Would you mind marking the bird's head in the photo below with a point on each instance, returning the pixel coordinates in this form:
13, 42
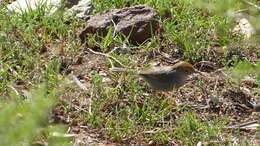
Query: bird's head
184, 67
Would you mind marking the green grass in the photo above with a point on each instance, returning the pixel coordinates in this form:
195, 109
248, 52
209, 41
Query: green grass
32, 51
126, 111
24, 65
190, 129
24, 121
27, 39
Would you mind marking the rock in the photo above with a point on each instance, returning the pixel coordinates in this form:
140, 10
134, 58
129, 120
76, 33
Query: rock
138, 23
70, 3
243, 26
82, 9
21, 6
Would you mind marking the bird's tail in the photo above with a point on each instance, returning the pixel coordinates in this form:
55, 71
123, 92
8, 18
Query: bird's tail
119, 69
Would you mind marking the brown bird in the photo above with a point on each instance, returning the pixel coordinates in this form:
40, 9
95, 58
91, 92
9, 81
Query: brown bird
165, 78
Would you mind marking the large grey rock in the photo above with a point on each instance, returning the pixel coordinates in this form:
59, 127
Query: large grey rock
138, 23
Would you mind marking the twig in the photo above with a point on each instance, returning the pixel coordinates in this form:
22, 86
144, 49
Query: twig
84, 127
252, 4
221, 71
197, 107
106, 55
114, 31
242, 125
216, 84
240, 11
81, 86
57, 134
144, 132
113, 50
111, 63
15, 91
90, 101
76, 80
201, 63
166, 58
15, 72
118, 69
68, 130
79, 108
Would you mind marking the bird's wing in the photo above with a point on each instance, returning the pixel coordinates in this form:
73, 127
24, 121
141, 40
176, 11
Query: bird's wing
157, 70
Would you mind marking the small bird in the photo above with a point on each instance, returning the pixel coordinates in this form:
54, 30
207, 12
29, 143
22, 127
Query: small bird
166, 78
